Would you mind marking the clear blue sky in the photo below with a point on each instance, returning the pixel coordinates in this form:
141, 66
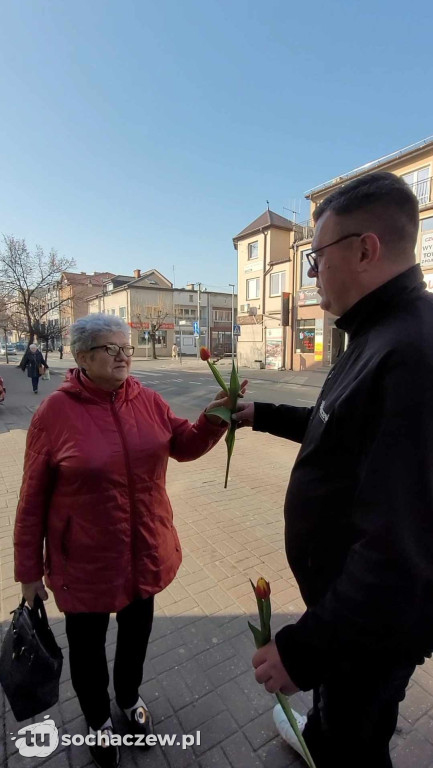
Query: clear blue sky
141, 134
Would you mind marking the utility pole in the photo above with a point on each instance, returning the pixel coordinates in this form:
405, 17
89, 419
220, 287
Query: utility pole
232, 286
198, 318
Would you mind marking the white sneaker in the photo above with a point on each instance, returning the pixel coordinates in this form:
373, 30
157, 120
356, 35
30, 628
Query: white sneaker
285, 729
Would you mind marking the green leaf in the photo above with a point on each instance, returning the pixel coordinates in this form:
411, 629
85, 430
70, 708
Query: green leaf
293, 722
230, 442
235, 386
257, 635
267, 612
218, 377
222, 412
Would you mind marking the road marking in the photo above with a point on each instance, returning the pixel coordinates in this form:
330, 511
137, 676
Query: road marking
145, 373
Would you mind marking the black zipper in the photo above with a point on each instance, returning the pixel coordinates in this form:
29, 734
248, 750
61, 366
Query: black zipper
130, 481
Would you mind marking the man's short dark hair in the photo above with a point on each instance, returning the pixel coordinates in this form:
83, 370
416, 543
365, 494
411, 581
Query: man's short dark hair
383, 200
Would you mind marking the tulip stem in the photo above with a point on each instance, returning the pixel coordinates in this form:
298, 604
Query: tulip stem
285, 706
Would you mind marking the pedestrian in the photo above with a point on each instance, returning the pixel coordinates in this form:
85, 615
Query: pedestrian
94, 493
359, 506
61, 351
33, 361
174, 351
2, 390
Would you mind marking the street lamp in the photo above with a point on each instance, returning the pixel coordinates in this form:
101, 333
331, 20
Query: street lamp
232, 286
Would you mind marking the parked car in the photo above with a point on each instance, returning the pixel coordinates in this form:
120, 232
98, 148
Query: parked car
10, 348
21, 346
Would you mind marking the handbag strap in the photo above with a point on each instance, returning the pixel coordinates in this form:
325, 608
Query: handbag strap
39, 609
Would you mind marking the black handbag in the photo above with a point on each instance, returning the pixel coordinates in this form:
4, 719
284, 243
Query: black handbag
30, 662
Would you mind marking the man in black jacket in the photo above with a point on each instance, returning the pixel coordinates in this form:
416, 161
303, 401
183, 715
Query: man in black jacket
359, 506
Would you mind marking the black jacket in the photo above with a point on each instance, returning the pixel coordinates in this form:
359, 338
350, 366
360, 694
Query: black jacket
359, 506
32, 362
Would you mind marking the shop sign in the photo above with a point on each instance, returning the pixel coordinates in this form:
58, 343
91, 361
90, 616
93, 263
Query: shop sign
427, 249
145, 326
307, 296
318, 343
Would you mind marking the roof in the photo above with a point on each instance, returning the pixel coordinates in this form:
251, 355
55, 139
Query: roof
78, 278
373, 164
266, 220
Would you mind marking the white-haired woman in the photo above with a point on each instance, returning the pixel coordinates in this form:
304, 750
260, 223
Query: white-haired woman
34, 362
94, 491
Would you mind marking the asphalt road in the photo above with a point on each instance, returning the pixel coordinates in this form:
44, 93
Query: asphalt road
188, 392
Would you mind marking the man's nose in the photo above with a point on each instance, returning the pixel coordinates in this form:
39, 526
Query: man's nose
312, 272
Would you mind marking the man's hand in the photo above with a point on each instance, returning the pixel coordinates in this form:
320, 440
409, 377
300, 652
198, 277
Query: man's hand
32, 589
270, 671
222, 400
244, 415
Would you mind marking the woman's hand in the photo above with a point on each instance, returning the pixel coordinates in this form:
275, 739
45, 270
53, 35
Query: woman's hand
222, 399
32, 589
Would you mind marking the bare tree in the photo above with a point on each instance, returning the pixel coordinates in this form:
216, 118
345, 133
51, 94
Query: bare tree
25, 277
156, 317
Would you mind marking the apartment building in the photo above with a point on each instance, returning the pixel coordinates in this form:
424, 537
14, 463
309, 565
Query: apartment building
272, 260
149, 299
265, 272
317, 341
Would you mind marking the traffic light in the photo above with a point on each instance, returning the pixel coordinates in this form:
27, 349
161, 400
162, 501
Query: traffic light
285, 308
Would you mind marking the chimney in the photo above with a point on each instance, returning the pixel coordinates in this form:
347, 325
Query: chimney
137, 273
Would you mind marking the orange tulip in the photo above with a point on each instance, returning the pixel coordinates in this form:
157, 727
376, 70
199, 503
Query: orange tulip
204, 353
263, 589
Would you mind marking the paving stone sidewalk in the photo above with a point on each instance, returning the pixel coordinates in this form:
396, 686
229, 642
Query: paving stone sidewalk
198, 674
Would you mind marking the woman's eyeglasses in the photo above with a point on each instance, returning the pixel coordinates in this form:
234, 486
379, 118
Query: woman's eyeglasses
114, 349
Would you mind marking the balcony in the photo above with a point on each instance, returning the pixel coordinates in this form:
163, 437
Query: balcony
423, 190
304, 230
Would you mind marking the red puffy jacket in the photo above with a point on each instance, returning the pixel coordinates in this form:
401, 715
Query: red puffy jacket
94, 489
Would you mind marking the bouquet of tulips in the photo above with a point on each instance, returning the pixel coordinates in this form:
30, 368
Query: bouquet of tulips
233, 390
262, 636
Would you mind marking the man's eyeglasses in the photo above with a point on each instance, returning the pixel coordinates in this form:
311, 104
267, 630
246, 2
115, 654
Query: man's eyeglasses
114, 349
312, 256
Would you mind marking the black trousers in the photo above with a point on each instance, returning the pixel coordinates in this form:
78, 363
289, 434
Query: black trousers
86, 633
35, 382
354, 716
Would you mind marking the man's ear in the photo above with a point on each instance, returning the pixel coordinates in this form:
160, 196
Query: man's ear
369, 254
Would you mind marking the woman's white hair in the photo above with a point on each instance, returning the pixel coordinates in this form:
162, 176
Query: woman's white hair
33, 346
84, 333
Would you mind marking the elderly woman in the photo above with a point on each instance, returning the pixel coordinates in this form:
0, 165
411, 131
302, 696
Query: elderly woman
34, 362
94, 492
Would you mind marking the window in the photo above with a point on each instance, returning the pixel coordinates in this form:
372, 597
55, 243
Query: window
253, 288
122, 313
427, 224
160, 339
420, 182
191, 297
277, 283
305, 336
113, 311
305, 280
253, 250
222, 315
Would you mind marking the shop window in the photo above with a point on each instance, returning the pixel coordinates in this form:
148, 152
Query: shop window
305, 336
160, 340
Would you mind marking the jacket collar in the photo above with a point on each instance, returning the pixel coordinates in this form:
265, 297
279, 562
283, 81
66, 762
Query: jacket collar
381, 302
76, 383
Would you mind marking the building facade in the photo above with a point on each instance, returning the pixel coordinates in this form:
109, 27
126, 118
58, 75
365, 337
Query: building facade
265, 272
272, 260
149, 300
317, 341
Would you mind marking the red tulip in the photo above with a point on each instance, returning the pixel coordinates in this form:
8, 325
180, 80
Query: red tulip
204, 353
262, 589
